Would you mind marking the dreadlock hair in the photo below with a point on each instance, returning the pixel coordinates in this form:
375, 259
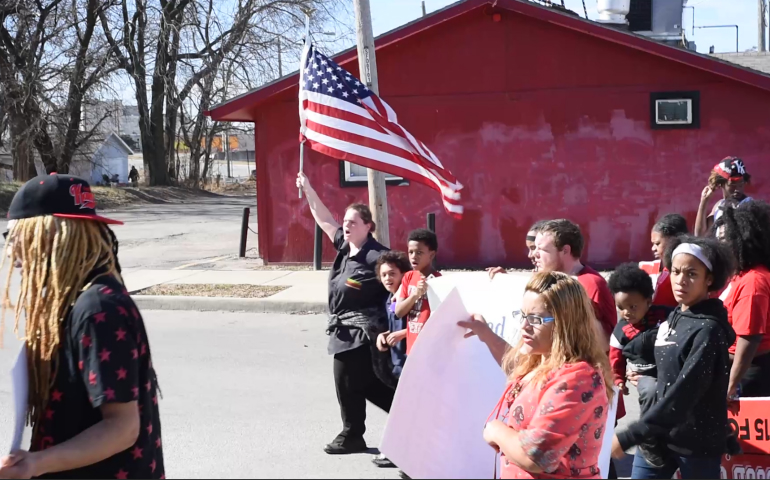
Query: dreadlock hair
58, 257
747, 234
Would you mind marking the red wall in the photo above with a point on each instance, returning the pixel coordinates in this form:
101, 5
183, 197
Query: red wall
537, 121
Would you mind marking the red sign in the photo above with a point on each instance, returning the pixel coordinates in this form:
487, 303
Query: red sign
746, 467
752, 424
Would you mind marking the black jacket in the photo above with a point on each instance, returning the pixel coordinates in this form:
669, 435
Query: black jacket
690, 411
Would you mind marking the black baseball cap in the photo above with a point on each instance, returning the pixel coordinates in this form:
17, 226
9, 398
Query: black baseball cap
63, 196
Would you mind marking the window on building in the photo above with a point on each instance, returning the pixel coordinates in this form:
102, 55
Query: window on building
669, 110
352, 175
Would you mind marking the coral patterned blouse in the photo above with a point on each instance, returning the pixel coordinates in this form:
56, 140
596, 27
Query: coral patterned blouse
560, 423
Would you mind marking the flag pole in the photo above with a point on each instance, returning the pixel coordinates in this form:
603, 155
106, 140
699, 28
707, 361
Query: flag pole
305, 52
367, 65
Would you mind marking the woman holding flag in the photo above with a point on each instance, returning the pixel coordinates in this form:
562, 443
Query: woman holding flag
356, 316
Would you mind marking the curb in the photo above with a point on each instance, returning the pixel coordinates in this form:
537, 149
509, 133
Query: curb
218, 304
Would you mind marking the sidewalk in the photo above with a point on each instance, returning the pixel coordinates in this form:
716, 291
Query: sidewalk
307, 292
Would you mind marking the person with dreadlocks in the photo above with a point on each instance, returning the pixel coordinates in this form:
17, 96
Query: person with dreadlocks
93, 401
746, 231
731, 177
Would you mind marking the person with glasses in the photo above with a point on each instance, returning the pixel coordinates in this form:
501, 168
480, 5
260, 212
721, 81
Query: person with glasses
560, 385
731, 177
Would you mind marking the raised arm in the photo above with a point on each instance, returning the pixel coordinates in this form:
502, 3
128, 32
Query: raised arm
701, 220
321, 214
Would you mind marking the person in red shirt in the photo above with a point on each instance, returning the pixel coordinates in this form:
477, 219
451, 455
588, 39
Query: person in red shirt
558, 248
666, 229
746, 231
560, 385
413, 300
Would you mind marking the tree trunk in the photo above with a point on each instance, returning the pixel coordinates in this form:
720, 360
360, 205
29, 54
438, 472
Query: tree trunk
21, 152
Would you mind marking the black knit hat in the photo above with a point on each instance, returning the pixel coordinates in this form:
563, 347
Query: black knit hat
64, 196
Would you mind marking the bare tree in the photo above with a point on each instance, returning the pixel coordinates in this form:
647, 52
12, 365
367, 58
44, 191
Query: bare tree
51, 59
189, 41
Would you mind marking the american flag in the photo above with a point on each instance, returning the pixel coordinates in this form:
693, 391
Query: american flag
340, 117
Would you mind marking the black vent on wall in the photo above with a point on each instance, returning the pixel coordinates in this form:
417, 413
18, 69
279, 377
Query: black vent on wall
640, 16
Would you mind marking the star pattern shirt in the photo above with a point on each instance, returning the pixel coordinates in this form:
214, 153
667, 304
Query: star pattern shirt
104, 358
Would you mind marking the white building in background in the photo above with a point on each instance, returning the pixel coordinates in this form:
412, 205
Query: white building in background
122, 120
109, 157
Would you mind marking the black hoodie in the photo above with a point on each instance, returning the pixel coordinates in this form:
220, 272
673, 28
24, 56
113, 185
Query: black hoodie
690, 411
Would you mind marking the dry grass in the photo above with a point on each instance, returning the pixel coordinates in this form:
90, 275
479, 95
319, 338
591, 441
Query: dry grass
212, 290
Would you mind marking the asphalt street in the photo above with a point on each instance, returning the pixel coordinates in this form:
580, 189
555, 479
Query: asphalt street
199, 234
244, 396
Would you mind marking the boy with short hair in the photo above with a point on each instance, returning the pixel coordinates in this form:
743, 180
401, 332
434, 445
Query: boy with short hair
632, 342
413, 300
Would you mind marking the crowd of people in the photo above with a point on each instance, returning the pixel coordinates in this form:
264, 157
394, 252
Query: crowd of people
689, 331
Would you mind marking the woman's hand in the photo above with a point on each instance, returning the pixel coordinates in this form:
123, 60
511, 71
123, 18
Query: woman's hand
382, 341
633, 379
617, 450
19, 464
302, 182
706, 194
623, 388
478, 327
491, 431
394, 338
492, 271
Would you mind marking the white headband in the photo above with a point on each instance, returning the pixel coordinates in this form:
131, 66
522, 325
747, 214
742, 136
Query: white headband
694, 250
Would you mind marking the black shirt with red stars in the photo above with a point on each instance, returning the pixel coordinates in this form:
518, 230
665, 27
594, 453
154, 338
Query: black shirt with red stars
104, 358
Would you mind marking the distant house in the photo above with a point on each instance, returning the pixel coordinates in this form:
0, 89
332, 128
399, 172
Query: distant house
111, 158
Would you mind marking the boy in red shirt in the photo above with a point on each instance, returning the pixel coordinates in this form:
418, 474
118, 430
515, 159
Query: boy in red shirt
413, 300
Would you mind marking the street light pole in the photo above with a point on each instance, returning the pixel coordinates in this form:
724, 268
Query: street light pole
725, 26
367, 66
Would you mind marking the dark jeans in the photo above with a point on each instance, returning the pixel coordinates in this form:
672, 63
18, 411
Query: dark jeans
646, 386
356, 383
688, 467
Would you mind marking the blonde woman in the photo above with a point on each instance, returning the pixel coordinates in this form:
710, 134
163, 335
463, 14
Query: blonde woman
559, 390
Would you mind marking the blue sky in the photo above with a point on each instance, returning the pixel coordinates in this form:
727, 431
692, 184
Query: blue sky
389, 14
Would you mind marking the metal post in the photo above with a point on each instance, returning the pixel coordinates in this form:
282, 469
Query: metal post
726, 26
762, 26
432, 222
244, 232
367, 65
423, 8
318, 247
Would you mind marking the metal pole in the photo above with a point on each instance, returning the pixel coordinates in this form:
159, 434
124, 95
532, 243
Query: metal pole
367, 64
726, 26
423, 8
280, 61
693, 19
301, 161
318, 247
431, 222
244, 232
762, 26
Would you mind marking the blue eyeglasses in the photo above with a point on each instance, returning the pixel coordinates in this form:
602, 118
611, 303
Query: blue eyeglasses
533, 320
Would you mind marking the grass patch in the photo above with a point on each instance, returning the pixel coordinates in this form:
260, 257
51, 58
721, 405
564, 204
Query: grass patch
213, 290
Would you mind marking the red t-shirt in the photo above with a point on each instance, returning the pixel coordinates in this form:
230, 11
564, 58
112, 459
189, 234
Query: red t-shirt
664, 291
747, 300
420, 311
601, 297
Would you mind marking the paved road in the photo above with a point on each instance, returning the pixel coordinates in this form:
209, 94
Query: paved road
169, 236
244, 395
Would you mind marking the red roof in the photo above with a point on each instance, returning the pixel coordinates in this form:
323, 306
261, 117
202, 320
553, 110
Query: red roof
238, 109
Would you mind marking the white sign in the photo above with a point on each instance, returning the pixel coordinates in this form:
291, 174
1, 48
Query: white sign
450, 384
20, 388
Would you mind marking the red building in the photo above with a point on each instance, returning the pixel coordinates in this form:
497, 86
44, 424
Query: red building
540, 114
